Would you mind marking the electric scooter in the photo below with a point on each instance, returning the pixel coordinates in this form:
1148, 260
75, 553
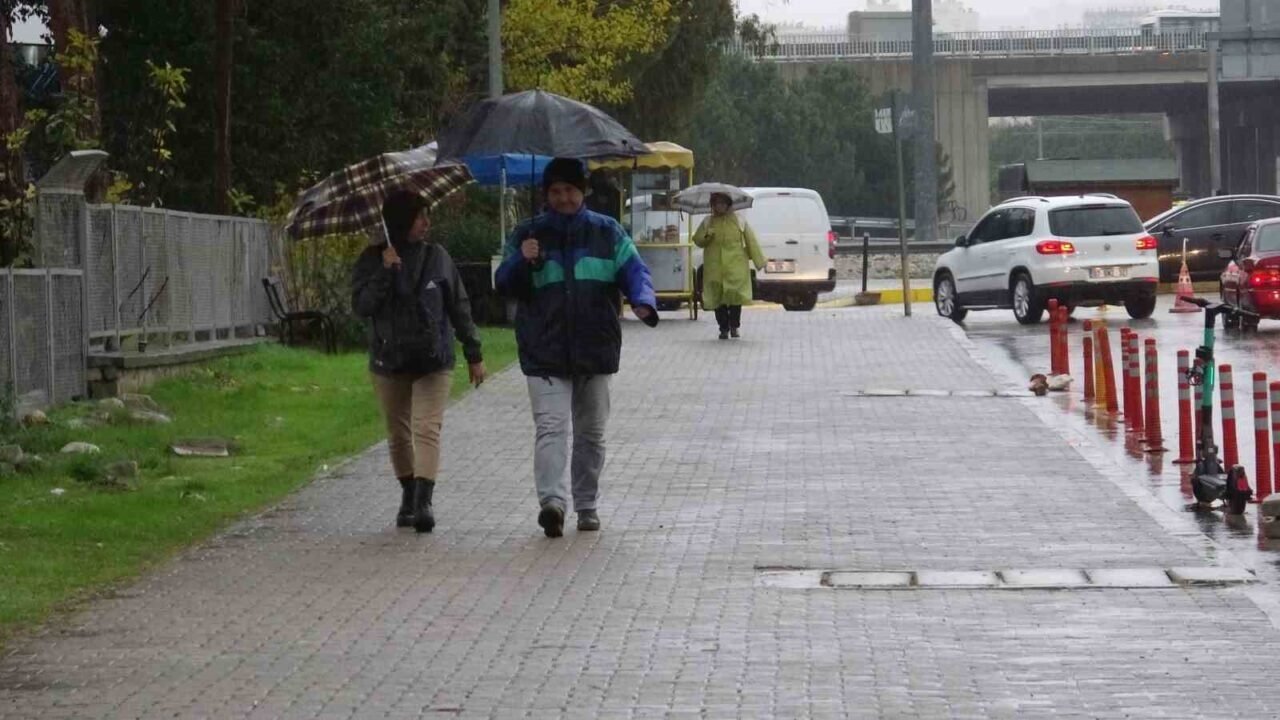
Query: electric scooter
1211, 482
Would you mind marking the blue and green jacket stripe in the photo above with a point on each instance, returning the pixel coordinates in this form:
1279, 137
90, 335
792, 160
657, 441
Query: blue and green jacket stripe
567, 317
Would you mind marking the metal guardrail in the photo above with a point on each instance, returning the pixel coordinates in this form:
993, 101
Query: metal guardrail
794, 47
884, 235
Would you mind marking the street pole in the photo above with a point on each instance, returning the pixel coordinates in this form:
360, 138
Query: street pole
1215, 123
923, 86
902, 206
495, 48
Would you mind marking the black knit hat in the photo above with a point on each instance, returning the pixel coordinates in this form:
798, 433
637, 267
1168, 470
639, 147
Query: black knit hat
565, 170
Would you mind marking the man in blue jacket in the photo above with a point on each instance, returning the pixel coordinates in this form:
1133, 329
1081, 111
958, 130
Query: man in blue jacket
565, 267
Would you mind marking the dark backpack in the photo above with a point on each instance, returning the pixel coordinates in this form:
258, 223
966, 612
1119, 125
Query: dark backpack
406, 332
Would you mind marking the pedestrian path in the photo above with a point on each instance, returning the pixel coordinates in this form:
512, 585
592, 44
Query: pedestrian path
728, 461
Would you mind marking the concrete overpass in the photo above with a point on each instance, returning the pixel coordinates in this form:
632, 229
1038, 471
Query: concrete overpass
987, 75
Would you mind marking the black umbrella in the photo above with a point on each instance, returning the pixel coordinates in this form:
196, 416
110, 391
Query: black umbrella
537, 122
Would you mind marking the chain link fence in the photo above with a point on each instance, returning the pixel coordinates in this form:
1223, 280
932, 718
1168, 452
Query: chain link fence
42, 344
117, 279
173, 276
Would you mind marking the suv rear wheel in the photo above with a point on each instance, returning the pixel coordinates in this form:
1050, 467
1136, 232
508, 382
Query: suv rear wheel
946, 300
801, 303
1027, 307
1140, 307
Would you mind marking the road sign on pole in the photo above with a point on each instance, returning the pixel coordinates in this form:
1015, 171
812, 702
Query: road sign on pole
884, 121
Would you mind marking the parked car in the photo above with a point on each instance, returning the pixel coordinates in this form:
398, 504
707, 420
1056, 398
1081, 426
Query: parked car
795, 235
1252, 278
1082, 250
1209, 226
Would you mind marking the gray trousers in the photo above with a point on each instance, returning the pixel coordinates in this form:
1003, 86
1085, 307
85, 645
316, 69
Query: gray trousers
556, 402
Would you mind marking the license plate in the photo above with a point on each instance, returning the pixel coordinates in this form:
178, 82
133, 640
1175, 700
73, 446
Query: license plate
1108, 273
780, 266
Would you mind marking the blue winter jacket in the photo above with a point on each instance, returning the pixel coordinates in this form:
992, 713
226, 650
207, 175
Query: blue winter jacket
567, 317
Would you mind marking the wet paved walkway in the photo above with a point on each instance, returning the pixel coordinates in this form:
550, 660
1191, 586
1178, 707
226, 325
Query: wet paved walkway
726, 459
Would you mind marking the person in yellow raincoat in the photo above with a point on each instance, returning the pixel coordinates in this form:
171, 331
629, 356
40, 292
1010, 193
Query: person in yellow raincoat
728, 243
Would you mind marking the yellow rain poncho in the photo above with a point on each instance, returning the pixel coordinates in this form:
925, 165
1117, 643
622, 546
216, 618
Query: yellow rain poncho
728, 243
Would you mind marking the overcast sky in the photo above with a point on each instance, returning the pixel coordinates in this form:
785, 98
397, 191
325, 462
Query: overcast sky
994, 14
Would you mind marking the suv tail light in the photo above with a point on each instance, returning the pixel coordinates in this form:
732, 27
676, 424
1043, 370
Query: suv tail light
1055, 247
1265, 277
831, 244
1148, 242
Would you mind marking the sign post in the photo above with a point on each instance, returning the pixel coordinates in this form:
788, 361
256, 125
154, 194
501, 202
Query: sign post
897, 120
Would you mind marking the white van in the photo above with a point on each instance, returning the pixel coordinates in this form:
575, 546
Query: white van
796, 237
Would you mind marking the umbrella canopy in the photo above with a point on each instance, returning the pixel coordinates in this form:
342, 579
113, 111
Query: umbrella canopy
350, 200
537, 122
487, 169
696, 200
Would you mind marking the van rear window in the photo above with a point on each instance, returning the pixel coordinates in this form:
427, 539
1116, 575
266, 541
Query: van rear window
1094, 221
787, 214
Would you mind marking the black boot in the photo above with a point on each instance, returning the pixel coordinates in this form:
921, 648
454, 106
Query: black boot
404, 518
423, 519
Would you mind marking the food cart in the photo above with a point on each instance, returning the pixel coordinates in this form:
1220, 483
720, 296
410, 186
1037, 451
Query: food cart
663, 235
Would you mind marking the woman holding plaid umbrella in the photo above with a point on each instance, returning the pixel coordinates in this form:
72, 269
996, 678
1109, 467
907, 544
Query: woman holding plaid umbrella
413, 296
410, 292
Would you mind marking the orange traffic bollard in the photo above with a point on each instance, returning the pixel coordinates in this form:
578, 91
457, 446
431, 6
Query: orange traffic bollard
1086, 342
1230, 451
1262, 450
1155, 435
1275, 425
1064, 341
1053, 336
1133, 376
1186, 436
1106, 389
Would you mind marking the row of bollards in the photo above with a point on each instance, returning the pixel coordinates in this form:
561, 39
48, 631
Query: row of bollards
1138, 401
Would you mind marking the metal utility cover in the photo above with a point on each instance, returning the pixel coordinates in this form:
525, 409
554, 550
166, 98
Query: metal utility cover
956, 579
1130, 578
869, 579
1050, 578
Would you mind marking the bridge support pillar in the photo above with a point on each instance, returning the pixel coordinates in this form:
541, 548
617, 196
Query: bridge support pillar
1188, 133
1250, 138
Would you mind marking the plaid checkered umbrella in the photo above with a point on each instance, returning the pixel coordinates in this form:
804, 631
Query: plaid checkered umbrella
350, 200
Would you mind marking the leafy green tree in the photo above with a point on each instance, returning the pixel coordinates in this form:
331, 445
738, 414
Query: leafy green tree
581, 48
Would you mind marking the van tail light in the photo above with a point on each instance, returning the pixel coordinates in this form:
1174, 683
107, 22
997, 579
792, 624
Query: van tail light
1265, 277
831, 244
1148, 242
1055, 247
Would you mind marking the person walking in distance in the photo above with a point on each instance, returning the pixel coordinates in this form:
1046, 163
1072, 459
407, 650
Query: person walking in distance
565, 268
728, 244
410, 292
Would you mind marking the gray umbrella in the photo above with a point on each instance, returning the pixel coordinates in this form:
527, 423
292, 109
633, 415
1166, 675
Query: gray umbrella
696, 200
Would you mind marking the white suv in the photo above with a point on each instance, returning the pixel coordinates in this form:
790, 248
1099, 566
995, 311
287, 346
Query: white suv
1083, 250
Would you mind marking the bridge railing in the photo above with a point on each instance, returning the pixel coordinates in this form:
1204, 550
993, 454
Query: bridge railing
792, 47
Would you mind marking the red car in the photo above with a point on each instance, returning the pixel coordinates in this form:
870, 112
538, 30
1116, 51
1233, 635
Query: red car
1252, 278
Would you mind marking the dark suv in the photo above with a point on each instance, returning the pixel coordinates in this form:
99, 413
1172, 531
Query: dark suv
1208, 225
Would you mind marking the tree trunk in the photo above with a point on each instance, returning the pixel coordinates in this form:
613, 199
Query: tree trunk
224, 27
13, 181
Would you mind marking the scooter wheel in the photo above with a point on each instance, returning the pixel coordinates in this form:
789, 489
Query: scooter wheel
1237, 504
